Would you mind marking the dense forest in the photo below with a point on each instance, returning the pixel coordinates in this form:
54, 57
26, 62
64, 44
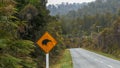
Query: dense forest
61, 9
99, 6
22, 23
95, 26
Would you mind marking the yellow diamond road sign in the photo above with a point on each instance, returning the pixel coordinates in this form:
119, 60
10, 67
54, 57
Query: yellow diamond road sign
46, 42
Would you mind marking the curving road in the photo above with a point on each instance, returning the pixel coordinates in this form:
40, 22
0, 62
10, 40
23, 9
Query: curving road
85, 59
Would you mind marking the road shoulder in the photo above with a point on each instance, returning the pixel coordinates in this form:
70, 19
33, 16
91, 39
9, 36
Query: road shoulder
65, 61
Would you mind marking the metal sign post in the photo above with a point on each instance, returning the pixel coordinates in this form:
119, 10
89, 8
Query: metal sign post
47, 60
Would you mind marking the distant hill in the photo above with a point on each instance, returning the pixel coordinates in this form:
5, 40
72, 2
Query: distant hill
64, 8
98, 7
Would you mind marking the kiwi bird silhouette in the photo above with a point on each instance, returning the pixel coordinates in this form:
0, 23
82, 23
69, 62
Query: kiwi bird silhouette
45, 41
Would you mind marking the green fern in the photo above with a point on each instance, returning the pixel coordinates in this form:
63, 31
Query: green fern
8, 61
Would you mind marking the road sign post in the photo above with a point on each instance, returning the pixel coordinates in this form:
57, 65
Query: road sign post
46, 43
47, 60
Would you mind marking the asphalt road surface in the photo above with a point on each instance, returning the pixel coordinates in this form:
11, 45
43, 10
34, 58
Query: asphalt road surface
85, 59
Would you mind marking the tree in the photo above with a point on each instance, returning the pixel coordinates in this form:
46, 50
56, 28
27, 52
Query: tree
14, 53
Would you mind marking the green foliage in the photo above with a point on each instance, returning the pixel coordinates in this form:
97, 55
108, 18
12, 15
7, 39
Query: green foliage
3, 43
22, 47
28, 12
15, 54
34, 2
107, 40
35, 20
21, 22
28, 63
13, 51
8, 61
7, 7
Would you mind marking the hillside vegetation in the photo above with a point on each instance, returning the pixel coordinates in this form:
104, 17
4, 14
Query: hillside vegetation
95, 26
22, 23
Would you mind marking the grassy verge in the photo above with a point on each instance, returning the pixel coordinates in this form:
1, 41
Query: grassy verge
104, 54
64, 62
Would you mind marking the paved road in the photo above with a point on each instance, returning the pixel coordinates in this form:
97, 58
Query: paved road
86, 59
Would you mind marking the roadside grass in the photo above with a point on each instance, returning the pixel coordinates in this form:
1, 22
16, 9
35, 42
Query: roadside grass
64, 62
104, 54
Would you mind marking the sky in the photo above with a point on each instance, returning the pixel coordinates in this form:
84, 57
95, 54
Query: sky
69, 1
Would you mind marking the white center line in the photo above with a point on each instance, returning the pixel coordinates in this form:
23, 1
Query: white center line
110, 66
